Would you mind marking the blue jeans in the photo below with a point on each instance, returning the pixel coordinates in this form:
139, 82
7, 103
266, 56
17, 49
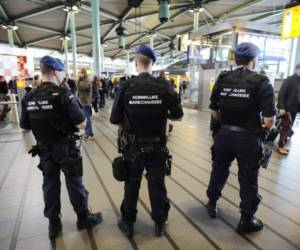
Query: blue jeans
87, 110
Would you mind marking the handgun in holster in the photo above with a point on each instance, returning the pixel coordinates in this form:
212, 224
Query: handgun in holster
268, 136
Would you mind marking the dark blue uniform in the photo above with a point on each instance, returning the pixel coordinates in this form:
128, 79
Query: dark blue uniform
60, 106
242, 97
141, 107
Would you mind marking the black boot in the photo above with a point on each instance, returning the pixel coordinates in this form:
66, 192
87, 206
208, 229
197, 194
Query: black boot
160, 229
212, 209
249, 224
126, 228
88, 220
55, 227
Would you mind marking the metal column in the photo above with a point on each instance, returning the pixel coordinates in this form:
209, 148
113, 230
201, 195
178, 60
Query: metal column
128, 61
196, 20
96, 37
74, 45
294, 55
10, 36
66, 56
234, 39
151, 41
102, 59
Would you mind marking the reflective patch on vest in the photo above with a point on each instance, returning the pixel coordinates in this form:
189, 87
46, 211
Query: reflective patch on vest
44, 104
145, 100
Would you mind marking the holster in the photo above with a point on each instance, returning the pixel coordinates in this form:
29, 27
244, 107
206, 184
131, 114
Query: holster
120, 169
72, 167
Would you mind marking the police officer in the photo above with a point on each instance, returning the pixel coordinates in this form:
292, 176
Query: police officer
141, 109
238, 101
53, 115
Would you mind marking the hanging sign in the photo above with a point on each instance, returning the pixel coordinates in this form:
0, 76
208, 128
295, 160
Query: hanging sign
291, 23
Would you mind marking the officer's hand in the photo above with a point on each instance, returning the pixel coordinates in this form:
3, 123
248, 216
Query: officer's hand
282, 112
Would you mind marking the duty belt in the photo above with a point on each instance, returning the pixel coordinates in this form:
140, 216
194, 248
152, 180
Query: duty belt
148, 140
235, 128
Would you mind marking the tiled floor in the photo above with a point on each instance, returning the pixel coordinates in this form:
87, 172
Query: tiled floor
22, 225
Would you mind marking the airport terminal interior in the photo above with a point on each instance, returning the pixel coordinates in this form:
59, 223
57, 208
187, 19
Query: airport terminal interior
194, 41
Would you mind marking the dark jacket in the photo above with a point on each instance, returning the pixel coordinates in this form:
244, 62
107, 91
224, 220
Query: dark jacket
3, 88
288, 98
84, 92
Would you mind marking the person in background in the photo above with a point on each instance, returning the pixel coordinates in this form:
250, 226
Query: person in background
289, 106
3, 86
65, 84
71, 83
84, 95
102, 93
36, 81
12, 85
95, 93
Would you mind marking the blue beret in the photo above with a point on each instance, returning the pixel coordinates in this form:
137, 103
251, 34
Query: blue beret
249, 50
54, 63
298, 66
146, 51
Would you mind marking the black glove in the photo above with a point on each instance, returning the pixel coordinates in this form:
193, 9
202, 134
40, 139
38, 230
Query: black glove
34, 151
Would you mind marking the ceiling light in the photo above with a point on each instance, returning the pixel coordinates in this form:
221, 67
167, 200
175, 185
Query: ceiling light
9, 26
65, 38
75, 8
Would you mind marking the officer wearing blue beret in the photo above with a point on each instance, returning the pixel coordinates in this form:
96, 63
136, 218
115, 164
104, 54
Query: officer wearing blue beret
141, 108
239, 99
53, 115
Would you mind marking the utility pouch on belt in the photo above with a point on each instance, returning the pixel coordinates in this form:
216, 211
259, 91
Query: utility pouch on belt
120, 169
72, 166
169, 164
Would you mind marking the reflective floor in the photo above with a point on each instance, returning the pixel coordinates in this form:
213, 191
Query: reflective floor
22, 225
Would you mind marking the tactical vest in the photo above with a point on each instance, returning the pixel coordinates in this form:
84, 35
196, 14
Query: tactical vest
145, 107
48, 117
238, 101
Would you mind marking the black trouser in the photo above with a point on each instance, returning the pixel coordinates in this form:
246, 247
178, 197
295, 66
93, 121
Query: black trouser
155, 165
50, 165
102, 99
246, 148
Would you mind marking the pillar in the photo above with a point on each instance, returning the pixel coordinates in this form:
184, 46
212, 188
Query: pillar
128, 61
66, 56
294, 55
74, 44
234, 39
102, 59
196, 20
96, 37
151, 41
10, 36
